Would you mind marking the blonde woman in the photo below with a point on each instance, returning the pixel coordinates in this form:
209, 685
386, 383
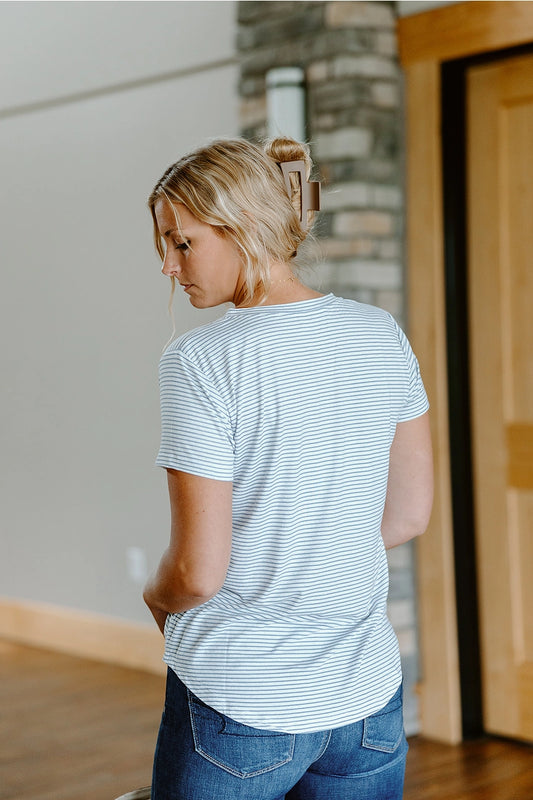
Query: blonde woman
296, 442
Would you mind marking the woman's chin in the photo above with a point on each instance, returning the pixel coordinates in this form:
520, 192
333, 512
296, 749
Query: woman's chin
200, 302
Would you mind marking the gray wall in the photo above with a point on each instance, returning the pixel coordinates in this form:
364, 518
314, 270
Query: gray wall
405, 8
96, 99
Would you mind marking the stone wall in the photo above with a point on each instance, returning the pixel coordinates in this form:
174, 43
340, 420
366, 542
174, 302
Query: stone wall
354, 126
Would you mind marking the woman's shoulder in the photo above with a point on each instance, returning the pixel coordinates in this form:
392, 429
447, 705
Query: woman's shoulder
365, 312
198, 340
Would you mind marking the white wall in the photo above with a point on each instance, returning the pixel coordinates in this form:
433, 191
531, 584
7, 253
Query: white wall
83, 306
53, 49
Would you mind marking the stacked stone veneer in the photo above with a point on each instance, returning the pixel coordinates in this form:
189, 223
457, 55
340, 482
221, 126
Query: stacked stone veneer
354, 126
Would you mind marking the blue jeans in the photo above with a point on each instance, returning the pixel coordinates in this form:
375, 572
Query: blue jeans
204, 755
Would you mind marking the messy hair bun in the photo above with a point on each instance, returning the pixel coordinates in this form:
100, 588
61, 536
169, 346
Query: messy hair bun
239, 189
283, 149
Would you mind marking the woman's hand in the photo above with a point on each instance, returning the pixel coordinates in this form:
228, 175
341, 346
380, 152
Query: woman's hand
194, 565
158, 614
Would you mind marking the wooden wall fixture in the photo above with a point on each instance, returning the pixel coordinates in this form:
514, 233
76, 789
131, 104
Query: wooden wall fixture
426, 40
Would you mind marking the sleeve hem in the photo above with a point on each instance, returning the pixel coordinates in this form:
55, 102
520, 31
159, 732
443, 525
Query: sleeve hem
407, 417
201, 473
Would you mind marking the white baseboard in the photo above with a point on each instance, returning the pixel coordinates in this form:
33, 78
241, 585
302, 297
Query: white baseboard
84, 634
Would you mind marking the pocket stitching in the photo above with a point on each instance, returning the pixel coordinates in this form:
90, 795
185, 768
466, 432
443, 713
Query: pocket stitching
237, 773
373, 743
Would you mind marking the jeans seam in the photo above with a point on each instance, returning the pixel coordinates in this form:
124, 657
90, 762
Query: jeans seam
234, 772
325, 746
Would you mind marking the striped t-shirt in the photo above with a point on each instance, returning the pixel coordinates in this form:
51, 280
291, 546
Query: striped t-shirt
297, 405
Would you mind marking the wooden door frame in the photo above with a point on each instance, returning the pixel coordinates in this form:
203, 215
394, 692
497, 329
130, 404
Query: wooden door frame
427, 42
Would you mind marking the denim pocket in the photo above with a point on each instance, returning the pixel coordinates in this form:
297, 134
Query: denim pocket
384, 730
239, 749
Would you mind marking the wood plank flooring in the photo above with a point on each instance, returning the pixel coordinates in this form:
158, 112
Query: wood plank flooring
72, 729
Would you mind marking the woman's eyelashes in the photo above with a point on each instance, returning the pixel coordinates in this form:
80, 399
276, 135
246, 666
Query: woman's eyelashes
183, 246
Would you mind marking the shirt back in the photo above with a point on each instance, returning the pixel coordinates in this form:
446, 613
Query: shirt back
297, 405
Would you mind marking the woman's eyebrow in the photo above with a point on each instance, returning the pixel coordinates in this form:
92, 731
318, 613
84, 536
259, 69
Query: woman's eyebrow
181, 234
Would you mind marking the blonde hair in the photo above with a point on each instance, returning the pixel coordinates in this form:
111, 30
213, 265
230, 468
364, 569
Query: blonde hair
238, 188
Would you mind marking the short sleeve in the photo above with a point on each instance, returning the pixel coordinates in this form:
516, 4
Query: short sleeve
196, 433
416, 401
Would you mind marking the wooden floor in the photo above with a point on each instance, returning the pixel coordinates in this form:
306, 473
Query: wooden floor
72, 729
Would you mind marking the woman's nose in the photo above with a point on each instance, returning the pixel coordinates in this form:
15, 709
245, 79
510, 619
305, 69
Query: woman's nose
170, 267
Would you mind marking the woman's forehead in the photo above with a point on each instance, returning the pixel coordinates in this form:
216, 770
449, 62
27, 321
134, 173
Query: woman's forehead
170, 216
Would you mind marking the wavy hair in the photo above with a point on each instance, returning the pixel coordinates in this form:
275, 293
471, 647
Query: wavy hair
238, 188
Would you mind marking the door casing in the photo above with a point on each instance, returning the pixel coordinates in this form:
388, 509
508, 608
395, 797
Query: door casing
429, 44
454, 169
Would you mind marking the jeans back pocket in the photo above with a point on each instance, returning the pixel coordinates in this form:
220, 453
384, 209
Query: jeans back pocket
384, 730
239, 749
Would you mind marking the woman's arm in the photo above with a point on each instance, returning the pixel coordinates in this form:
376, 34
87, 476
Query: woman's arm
410, 483
194, 565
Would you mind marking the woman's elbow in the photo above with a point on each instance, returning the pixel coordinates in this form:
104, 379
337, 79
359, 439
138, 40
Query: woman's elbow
418, 526
404, 530
197, 587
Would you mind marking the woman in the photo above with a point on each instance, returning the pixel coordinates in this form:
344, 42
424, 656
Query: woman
296, 442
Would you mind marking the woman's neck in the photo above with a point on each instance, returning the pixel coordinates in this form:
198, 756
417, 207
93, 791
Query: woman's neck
285, 287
